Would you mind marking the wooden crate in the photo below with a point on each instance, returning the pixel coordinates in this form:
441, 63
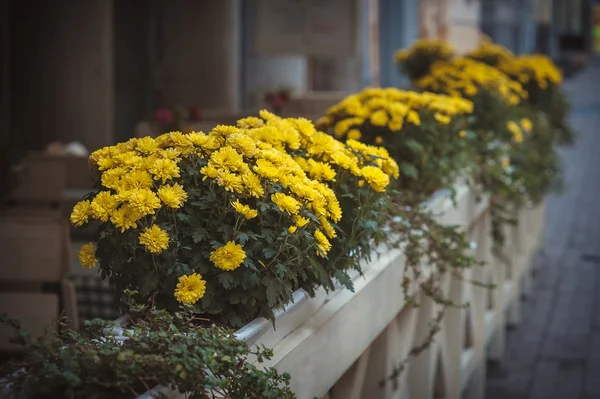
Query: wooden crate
34, 248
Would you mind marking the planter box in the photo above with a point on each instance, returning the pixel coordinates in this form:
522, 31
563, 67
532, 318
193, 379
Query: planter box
342, 345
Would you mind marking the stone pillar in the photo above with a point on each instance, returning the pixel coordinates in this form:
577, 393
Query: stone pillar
200, 61
62, 80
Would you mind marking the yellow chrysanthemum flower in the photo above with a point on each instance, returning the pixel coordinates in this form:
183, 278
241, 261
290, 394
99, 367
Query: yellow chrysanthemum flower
320, 171
413, 117
147, 145
244, 210
322, 243
328, 228
112, 178
144, 201
286, 203
164, 169
514, 128
228, 257
103, 205
300, 221
81, 213
375, 177
526, 124
125, 217
379, 118
190, 288
136, 179
443, 119
354, 134
172, 195
231, 182
154, 239
462, 133
87, 256
292, 229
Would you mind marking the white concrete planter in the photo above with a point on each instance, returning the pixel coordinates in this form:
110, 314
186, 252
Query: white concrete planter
341, 345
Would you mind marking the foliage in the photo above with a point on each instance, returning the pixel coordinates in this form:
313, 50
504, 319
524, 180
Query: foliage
220, 220
230, 221
416, 61
496, 130
542, 79
423, 132
159, 348
491, 54
357, 173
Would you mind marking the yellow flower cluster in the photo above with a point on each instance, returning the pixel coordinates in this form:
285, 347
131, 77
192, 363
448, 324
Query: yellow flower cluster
142, 180
517, 129
389, 108
435, 47
464, 77
491, 53
318, 154
535, 67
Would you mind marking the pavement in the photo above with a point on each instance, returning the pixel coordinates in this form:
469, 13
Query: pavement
554, 353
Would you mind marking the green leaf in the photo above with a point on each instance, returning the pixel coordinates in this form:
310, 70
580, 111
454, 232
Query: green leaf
272, 289
409, 170
242, 238
414, 145
199, 235
225, 278
183, 217
269, 252
281, 270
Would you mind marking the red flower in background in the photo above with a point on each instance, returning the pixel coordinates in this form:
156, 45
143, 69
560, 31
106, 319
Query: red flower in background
195, 114
164, 116
277, 99
277, 103
284, 95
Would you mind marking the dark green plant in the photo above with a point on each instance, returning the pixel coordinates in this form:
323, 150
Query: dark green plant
359, 175
416, 60
159, 349
423, 132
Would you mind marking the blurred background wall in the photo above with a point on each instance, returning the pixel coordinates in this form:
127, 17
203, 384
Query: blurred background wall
91, 70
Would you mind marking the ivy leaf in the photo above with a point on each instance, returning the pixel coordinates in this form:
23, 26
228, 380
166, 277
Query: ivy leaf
409, 170
225, 278
199, 235
414, 145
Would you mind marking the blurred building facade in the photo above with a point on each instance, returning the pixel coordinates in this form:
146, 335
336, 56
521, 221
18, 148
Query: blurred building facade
90, 70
